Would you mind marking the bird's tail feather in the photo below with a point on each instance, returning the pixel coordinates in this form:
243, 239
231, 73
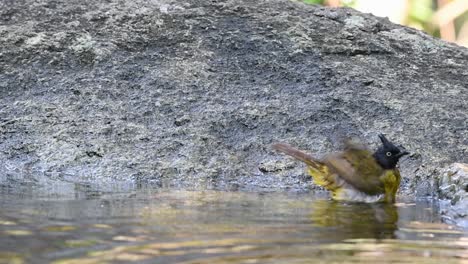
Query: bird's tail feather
297, 154
317, 169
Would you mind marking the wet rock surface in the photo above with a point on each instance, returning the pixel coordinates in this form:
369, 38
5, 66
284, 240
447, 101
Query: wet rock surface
192, 93
453, 188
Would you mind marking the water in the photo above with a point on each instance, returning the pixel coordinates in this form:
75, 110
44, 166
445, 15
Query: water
150, 225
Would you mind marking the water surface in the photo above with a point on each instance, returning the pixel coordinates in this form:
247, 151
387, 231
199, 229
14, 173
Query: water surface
150, 225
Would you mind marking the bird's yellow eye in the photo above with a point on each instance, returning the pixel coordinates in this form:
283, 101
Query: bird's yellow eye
388, 154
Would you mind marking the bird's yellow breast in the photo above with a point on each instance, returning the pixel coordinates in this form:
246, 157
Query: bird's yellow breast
342, 190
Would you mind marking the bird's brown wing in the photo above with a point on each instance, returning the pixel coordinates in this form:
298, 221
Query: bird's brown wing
357, 166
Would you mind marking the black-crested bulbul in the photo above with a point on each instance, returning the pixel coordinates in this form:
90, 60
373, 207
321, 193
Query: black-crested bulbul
355, 174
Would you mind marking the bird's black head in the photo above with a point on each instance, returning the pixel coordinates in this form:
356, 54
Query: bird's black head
388, 154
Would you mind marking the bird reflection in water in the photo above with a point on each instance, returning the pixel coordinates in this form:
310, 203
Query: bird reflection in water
356, 220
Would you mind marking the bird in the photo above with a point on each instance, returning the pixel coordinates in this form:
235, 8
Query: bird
356, 173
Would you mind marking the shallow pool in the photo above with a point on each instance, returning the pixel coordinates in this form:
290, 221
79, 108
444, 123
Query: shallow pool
151, 225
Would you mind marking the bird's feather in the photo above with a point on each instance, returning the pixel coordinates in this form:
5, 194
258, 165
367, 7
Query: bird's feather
359, 168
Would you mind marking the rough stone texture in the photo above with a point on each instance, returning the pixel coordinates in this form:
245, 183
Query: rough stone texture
192, 93
453, 186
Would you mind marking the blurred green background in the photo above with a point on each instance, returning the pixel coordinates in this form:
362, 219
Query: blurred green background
446, 19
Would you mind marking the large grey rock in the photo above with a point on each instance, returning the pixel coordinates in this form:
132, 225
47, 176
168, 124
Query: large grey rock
192, 93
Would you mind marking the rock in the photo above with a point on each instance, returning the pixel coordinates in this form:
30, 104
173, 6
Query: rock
193, 93
453, 183
453, 187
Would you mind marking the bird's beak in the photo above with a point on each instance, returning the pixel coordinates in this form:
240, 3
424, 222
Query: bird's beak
401, 154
